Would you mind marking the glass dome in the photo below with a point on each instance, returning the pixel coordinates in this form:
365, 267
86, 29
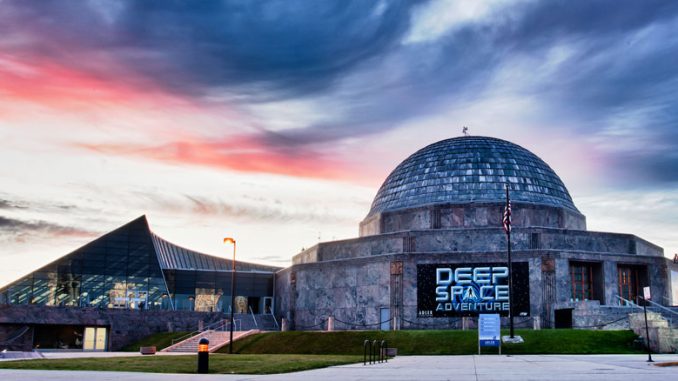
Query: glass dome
471, 169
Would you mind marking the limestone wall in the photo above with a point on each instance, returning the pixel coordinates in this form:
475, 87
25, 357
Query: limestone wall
354, 290
479, 239
126, 326
470, 215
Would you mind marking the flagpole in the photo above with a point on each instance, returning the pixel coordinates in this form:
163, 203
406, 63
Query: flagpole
510, 264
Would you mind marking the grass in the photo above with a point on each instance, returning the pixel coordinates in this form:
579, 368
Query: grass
219, 363
442, 342
159, 340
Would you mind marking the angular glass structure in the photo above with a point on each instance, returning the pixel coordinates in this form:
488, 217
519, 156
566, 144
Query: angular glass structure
133, 268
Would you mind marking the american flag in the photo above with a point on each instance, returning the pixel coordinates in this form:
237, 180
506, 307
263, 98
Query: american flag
507, 217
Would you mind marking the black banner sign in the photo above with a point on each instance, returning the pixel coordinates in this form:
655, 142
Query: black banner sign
469, 289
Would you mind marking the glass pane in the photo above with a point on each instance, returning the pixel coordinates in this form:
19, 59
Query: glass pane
90, 339
100, 344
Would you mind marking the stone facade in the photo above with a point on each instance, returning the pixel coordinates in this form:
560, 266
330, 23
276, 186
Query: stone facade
125, 326
445, 204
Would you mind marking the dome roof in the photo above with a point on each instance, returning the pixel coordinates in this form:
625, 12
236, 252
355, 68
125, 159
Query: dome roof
471, 169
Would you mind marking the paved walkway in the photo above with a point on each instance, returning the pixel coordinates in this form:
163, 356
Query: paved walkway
429, 368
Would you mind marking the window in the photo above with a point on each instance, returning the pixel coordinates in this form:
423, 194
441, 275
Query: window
581, 276
631, 280
586, 281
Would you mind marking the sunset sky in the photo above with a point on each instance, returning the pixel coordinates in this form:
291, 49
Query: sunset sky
275, 122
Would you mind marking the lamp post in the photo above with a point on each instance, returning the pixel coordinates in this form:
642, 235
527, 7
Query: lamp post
228, 240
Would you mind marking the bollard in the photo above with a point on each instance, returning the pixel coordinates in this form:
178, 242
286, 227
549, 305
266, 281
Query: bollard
374, 352
365, 344
203, 356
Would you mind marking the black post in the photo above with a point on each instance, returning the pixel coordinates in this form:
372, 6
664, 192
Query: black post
510, 265
374, 351
203, 356
647, 333
385, 350
230, 342
366, 344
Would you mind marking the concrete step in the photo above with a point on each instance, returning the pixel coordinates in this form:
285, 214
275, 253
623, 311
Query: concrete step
217, 339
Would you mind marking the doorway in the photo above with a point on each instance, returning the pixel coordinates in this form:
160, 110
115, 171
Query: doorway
563, 318
385, 319
268, 305
96, 339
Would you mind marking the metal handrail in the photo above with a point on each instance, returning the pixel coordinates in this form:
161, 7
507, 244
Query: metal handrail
663, 308
275, 321
197, 332
253, 317
627, 303
22, 331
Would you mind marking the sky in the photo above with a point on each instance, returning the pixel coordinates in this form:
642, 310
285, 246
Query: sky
275, 122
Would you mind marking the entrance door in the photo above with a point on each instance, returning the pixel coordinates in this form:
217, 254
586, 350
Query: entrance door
564, 318
95, 339
268, 305
385, 318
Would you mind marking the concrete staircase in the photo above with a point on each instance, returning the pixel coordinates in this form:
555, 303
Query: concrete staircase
663, 338
263, 322
217, 339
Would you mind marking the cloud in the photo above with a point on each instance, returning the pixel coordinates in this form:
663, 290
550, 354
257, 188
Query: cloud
15, 230
262, 211
245, 153
6, 204
603, 70
285, 46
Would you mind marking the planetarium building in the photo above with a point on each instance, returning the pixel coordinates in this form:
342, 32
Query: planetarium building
431, 251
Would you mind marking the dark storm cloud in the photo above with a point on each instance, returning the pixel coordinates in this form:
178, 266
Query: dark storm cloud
288, 46
618, 81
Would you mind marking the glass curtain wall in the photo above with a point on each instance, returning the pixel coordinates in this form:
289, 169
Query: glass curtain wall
118, 270
208, 291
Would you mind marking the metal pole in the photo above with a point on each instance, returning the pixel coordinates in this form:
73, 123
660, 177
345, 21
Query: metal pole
230, 342
647, 333
510, 270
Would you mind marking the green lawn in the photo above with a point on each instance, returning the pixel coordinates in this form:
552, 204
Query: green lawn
219, 363
443, 342
159, 340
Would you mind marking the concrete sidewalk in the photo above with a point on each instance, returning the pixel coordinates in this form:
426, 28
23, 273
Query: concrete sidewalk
429, 368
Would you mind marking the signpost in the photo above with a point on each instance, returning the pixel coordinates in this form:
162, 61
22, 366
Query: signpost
647, 296
489, 333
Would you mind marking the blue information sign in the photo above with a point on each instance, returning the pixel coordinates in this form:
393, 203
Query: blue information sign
489, 333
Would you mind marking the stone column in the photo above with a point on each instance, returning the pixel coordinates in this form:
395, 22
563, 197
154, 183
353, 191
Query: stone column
536, 323
284, 325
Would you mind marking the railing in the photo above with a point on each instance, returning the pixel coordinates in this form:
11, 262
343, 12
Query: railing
627, 303
374, 352
670, 317
197, 332
21, 332
253, 317
651, 306
276, 322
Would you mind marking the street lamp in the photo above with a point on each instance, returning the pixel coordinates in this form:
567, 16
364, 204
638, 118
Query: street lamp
229, 240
